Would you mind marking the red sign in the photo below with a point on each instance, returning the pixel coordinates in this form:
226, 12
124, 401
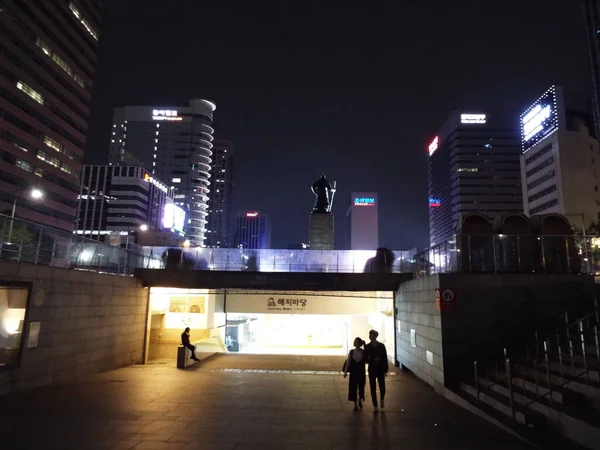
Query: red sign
445, 299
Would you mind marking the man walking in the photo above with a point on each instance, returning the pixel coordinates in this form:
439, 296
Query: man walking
185, 341
376, 357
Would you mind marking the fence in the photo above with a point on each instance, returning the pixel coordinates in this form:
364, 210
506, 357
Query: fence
511, 254
23, 241
239, 260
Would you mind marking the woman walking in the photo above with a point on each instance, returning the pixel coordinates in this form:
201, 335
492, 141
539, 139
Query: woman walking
355, 366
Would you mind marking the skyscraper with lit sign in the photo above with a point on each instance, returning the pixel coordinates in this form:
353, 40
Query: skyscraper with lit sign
561, 157
473, 167
48, 57
363, 221
175, 144
252, 231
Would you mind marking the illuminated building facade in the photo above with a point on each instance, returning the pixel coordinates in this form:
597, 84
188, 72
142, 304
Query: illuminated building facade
121, 200
252, 231
175, 145
473, 167
561, 157
47, 61
221, 189
363, 221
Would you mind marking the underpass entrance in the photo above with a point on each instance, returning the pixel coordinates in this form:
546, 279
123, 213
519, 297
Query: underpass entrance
265, 322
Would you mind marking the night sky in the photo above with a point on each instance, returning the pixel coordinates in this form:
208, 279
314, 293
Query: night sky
351, 89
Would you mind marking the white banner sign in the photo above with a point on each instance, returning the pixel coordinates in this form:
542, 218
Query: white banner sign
290, 303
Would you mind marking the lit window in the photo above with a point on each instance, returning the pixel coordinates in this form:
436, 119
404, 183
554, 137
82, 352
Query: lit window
176, 180
24, 165
84, 22
154, 156
20, 147
38, 172
31, 92
52, 144
60, 62
47, 158
66, 168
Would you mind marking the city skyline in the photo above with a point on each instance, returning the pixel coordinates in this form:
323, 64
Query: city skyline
289, 99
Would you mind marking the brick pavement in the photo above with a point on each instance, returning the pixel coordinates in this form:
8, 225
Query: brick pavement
211, 406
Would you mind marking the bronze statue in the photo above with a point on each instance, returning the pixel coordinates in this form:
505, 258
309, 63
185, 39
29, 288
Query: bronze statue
322, 189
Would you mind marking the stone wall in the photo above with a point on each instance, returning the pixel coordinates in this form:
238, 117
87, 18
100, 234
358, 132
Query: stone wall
416, 315
488, 312
90, 323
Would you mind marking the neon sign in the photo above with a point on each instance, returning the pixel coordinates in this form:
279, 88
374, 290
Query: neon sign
540, 119
251, 214
434, 145
434, 202
533, 122
472, 118
165, 114
364, 201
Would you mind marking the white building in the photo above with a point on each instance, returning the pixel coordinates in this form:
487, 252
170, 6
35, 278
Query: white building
175, 144
560, 164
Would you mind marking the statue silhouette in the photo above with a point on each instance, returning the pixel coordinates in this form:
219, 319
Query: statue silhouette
322, 189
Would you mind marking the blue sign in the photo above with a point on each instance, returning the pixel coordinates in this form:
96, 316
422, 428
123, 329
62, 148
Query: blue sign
364, 201
434, 202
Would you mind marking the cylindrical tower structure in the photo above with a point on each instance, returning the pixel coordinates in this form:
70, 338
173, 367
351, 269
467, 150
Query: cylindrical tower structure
201, 136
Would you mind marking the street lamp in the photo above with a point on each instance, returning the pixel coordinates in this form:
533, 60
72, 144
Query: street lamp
35, 194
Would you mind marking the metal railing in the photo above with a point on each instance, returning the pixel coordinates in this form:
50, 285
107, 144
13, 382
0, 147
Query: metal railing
540, 369
241, 260
511, 254
27, 242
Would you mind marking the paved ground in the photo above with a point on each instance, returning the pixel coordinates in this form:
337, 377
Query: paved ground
214, 406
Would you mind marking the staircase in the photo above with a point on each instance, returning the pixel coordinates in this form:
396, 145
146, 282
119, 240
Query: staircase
547, 389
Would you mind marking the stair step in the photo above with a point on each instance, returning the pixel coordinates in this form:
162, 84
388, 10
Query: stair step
542, 438
522, 415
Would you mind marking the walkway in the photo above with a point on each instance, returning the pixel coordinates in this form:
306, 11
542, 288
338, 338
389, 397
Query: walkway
212, 406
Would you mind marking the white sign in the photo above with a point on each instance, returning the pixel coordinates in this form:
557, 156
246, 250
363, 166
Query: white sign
434, 145
413, 338
173, 217
299, 303
472, 118
533, 121
165, 114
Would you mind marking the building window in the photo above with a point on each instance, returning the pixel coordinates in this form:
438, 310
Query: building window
542, 193
24, 165
539, 154
31, 92
47, 158
13, 305
84, 22
544, 206
540, 166
541, 179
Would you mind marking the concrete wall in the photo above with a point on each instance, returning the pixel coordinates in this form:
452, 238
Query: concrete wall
416, 310
89, 323
490, 312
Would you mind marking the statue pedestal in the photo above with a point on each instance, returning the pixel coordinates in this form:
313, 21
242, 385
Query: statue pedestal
321, 235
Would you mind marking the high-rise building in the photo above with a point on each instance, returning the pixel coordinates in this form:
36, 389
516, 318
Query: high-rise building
175, 144
473, 167
592, 26
252, 231
47, 61
121, 200
560, 164
219, 233
363, 221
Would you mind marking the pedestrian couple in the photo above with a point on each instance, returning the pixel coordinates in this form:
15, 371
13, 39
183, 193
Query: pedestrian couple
375, 355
